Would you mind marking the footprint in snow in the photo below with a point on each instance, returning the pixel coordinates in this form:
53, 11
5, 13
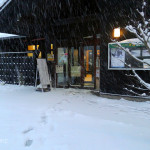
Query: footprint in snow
44, 119
28, 143
27, 130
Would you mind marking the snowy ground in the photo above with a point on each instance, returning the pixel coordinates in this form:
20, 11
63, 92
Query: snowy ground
69, 119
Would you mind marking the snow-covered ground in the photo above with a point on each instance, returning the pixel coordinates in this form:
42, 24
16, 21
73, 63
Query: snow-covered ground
70, 119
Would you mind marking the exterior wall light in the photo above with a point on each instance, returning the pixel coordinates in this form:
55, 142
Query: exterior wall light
117, 32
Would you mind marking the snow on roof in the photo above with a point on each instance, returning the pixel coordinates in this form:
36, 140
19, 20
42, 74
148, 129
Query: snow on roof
8, 36
134, 40
3, 4
3, 35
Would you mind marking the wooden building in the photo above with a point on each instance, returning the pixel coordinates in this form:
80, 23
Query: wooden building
76, 33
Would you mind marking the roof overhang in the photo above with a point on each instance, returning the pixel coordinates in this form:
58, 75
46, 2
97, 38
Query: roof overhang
5, 36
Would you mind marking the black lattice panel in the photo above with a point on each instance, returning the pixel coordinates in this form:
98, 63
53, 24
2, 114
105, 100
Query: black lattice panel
17, 69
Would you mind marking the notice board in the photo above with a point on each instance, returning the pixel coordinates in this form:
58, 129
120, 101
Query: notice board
43, 72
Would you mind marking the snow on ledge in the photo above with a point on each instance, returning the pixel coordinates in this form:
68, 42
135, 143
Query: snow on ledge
134, 40
6, 35
3, 4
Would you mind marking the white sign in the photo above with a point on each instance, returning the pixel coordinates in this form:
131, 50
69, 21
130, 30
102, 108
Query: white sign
97, 73
75, 71
43, 72
59, 69
117, 58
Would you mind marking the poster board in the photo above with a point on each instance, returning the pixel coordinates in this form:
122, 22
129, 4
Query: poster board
76, 71
43, 72
50, 57
59, 69
117, 58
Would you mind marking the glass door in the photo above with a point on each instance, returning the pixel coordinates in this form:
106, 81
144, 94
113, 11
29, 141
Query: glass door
82, 70
89, 66
75, 67
62, 67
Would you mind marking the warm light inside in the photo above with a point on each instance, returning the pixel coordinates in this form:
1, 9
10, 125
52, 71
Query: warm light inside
32, 47
117, 32
52, 46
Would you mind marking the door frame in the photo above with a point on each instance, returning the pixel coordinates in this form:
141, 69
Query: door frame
90, 42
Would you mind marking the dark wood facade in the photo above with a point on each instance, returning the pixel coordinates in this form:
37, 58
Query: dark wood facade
66, 23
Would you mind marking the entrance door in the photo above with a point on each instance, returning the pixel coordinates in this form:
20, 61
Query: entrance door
78, 67
62, 67
75, 67
89, 66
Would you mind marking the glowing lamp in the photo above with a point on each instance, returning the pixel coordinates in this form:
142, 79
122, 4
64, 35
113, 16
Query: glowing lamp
117, 32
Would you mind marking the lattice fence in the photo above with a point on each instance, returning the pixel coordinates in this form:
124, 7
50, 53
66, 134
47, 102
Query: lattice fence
17, 68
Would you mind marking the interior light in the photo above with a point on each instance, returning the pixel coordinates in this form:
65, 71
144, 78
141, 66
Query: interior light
52, 46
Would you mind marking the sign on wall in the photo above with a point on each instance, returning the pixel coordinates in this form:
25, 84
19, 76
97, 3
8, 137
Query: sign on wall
59, 69
75, 71
97, 72
50, 57
118, 59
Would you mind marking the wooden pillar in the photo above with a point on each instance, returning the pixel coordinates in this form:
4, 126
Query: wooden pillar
82, 65
56, 62
100, 71
69, 66
95, 56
